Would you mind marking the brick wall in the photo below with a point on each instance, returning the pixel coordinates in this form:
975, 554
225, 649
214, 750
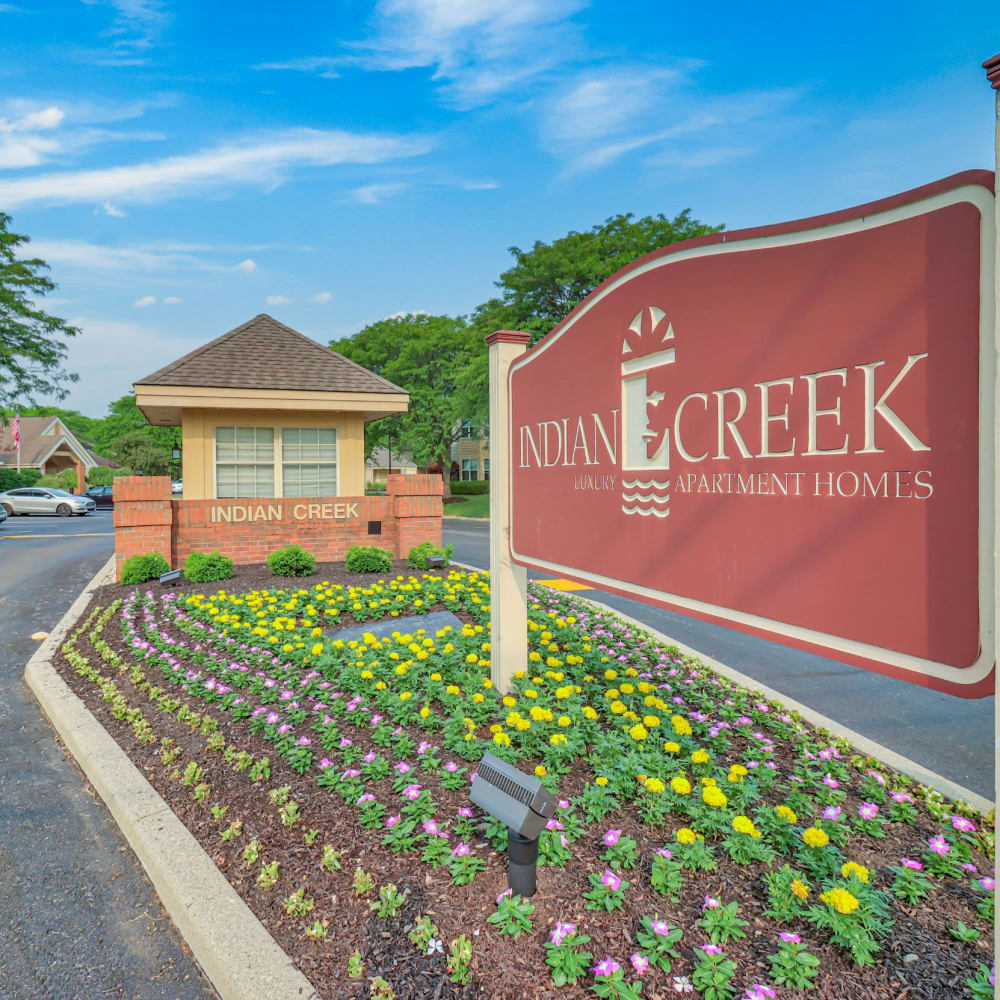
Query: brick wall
148, 520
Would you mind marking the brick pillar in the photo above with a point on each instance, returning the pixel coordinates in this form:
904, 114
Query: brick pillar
418, 509
143, 517
81, 477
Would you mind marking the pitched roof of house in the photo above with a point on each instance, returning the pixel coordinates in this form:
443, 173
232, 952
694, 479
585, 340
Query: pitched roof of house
35, 443
266, 354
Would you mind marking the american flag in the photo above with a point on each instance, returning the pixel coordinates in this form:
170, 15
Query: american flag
17, 431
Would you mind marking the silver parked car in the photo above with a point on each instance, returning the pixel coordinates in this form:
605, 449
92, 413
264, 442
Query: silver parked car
45, 500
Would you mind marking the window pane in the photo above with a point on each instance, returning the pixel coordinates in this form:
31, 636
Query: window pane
309, 480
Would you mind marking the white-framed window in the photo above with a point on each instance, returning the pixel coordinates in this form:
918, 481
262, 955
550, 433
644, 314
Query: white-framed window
470, 469
309, 461
486, 468
244, 462
467, 430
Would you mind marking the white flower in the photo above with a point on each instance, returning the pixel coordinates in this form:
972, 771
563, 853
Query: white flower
682, 985
434, 945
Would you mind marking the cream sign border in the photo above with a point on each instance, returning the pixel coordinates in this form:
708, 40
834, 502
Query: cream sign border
982, 200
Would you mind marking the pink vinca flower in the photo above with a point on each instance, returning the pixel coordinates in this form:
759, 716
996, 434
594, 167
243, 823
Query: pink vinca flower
639, 962
867, 810
560, 932
607, 967
611, 880
611, 838
789, 938
910, 863
938, 845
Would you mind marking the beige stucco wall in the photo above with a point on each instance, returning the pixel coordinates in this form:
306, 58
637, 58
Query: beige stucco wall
477, 448
198, 444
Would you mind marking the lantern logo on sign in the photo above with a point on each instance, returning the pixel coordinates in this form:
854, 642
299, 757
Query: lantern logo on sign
646, 349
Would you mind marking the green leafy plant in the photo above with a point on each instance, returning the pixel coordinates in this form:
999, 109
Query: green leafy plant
268, 876
318, 930
362, 882
658, 941
290, 814
513, 915
139, 569
419, 554
291, 561
722, 923
423, 934
234, 830
381, 990
390, 901
981, 984
667, 877
610, 982
793, 965
251, 853
910, 884
713, 973
367, 559
563, 954
962, 933
203, 567
331, 858
297, 904
460, 960
355, 966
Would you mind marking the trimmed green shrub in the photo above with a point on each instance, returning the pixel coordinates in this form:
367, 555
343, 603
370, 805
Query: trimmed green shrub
105, 475
419, 554
367, 559
291, 561
139, 569
11, 480
473, 488
202, 567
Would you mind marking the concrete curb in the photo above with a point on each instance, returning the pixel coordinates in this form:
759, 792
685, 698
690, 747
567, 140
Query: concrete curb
861, 743
230, 944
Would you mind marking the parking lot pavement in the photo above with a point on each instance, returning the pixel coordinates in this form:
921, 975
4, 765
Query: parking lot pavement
78, 919
52, 525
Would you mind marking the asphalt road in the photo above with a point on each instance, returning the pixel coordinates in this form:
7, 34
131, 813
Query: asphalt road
951, 736
78, 919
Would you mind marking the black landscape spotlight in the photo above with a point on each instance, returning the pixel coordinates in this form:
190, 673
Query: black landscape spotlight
524, 805
170, 578
435, 562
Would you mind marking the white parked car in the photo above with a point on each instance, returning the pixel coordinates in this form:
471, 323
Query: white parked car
45, 500
177, 487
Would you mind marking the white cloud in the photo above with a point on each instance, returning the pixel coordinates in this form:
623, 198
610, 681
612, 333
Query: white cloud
170, 300
146, 300
477, 49
110, 355
246, 266
94, 256
373, 194
21, 144
279, 300
137, 26
322, 298
323, 65
403, 313
265, 159
601, 116
113, 210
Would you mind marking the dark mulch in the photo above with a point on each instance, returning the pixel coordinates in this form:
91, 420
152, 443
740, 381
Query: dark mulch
503, 968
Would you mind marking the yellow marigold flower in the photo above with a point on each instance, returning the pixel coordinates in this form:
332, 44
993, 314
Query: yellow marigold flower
700, 757
685, 836
523, 724
655, 785
471, 658
405, 695
534, 657
671, 747
650, 721
479, 698
841, 900
626, 688
316, 633
453, 689
564, 720
638, 732
851, 868
288, 647
681, 785
509, 702
424, 712
799, 888
714, 797
557, 739
738, 769
743, 824
380, 685
601, 781
501, 739
681, 725
618, 707
529, 693
788, 815
317, 649
435, 677
815, 837
610, 674
612, 694
540, 771
589, 713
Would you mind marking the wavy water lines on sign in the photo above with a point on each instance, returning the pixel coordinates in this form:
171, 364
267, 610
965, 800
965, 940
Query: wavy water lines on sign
656, 498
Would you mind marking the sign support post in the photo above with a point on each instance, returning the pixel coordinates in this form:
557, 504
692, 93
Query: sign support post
992, 67
508, 582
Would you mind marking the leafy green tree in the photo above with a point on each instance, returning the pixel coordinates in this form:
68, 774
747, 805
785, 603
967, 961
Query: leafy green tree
32, 350
429, 357
551, 279
137, 452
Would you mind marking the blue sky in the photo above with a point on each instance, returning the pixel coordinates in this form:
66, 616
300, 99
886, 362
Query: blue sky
184, 166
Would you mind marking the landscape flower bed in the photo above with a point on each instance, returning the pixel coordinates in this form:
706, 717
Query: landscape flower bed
707, 841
